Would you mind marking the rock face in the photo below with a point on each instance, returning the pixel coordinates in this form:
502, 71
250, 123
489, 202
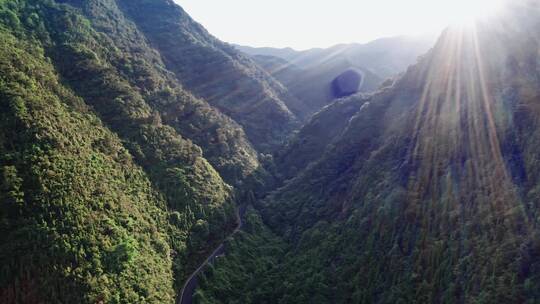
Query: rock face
347, 83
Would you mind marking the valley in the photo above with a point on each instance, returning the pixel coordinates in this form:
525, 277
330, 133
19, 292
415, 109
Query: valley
143, 160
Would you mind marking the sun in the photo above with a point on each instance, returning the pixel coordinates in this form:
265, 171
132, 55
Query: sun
466, 12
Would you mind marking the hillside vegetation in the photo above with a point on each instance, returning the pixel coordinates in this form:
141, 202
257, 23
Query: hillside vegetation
110, 171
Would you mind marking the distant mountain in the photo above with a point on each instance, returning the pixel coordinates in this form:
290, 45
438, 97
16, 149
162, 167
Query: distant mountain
384, 57
288, 54
308, 75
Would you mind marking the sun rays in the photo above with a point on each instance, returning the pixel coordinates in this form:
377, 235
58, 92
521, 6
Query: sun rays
457, 146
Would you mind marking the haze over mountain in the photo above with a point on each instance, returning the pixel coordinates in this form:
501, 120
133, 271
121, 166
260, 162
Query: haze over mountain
309, 74
305, 24
385, 57
142, 160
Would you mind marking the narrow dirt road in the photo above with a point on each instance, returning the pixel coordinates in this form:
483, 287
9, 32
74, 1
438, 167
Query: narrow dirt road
186, 294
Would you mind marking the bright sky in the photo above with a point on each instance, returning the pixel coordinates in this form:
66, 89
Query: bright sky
303, 24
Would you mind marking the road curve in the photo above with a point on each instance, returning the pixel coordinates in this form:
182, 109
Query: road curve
186, 293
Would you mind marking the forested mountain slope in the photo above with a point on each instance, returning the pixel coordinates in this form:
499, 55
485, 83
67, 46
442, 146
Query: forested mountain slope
314, 138
430, 192
108, 166
217, 72
141, 75
78, 216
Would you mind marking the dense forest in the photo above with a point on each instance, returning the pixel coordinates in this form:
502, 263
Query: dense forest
132, 140
113, 175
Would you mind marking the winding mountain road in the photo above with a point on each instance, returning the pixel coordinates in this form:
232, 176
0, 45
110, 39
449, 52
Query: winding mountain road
186, 294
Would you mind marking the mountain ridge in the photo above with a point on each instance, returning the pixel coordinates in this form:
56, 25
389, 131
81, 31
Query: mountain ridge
308, 58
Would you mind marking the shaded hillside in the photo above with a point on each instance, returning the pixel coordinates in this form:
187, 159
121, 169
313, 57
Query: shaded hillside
311, 142
217, 72
430, 192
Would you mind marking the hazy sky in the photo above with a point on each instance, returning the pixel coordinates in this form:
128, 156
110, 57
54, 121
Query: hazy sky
305, 24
